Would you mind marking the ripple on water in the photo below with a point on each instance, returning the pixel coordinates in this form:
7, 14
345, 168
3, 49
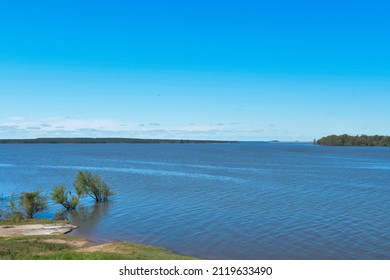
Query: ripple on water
245, 201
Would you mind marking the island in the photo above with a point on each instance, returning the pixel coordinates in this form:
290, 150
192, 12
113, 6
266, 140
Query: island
109, 141
358, 140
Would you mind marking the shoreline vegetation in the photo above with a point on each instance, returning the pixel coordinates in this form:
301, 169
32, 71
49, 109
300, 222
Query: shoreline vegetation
109, 141
47, 240
358, 140
23, 237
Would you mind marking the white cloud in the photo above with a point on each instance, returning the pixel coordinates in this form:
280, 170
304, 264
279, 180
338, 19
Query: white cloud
73, 127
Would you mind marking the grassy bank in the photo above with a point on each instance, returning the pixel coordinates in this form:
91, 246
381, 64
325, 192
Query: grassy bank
66, 247
69, 247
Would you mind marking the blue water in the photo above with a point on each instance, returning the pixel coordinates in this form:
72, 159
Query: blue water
222, 201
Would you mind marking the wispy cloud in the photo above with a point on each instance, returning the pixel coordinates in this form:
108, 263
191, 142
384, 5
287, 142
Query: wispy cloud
73, 127
21, 127
33, 128
9, 127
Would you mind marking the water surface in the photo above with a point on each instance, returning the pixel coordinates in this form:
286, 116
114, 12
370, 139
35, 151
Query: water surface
223, 201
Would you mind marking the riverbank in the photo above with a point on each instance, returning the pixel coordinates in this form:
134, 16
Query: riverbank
47, 240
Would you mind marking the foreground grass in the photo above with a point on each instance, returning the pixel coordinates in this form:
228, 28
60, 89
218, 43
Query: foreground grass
67, 247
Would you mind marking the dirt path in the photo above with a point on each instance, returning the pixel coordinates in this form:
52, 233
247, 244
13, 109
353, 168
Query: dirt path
38, 229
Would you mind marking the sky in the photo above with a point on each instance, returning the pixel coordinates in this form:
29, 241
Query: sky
225, 70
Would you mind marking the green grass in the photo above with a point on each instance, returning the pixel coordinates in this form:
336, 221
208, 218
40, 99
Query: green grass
38, 248
27, 247
70, 247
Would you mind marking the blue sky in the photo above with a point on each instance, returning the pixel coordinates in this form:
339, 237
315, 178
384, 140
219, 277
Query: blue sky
242, 70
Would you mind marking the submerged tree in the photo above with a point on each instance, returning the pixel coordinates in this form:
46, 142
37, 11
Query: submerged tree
88, 184
12, 213
32, 203
61, 195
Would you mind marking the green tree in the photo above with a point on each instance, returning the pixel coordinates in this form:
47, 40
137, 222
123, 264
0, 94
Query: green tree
12, 213
348, 140
88, 184
32, 203
61, 195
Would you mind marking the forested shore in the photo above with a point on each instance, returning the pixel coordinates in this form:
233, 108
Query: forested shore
358, 140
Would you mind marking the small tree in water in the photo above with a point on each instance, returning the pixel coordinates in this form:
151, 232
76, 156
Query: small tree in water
13, 212
32, 203
87, 184
61, 196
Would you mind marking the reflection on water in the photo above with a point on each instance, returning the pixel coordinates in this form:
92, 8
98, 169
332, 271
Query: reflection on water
61, 215
88, 218
90, 214
85, 214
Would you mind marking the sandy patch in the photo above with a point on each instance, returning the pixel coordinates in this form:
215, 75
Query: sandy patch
110, 247
72, 243
38, 229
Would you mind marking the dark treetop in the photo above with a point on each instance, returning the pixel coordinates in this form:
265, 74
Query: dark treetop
348, 140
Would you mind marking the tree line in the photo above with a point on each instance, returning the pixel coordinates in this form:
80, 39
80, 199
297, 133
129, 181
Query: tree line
358, 140
107, 141
28, 204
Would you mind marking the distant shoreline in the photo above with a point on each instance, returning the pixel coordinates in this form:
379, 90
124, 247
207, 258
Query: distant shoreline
110, 141
116, 140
